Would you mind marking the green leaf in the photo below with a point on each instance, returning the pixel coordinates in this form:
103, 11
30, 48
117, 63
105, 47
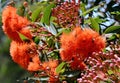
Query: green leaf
35, 14
63, 30
37, 40
97, 19
113, 37
113, 29
82, 6
50, 42
116, 13
94, 25
52, 19
89, 10
67, 30
22, 37
46, 14
60, 67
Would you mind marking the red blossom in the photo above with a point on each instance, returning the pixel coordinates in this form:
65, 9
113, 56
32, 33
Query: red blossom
50, 66
13, 23
77, 64
80, 43
50, 69
25, 55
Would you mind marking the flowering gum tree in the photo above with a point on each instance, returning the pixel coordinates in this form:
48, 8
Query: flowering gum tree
62, 42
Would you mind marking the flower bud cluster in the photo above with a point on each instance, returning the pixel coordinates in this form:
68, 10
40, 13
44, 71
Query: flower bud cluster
102, 67
67, 13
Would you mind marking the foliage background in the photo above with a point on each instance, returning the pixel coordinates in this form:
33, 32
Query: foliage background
10, 72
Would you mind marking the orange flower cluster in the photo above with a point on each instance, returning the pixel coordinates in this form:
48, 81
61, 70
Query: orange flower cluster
79, 44
13, 23
23, 53
50, 68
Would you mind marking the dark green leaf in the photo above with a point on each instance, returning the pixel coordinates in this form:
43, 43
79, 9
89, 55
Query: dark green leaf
36, 40
60, 67
35, 14
113, 29
53, 54
71, 74
94, 25
46, 14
